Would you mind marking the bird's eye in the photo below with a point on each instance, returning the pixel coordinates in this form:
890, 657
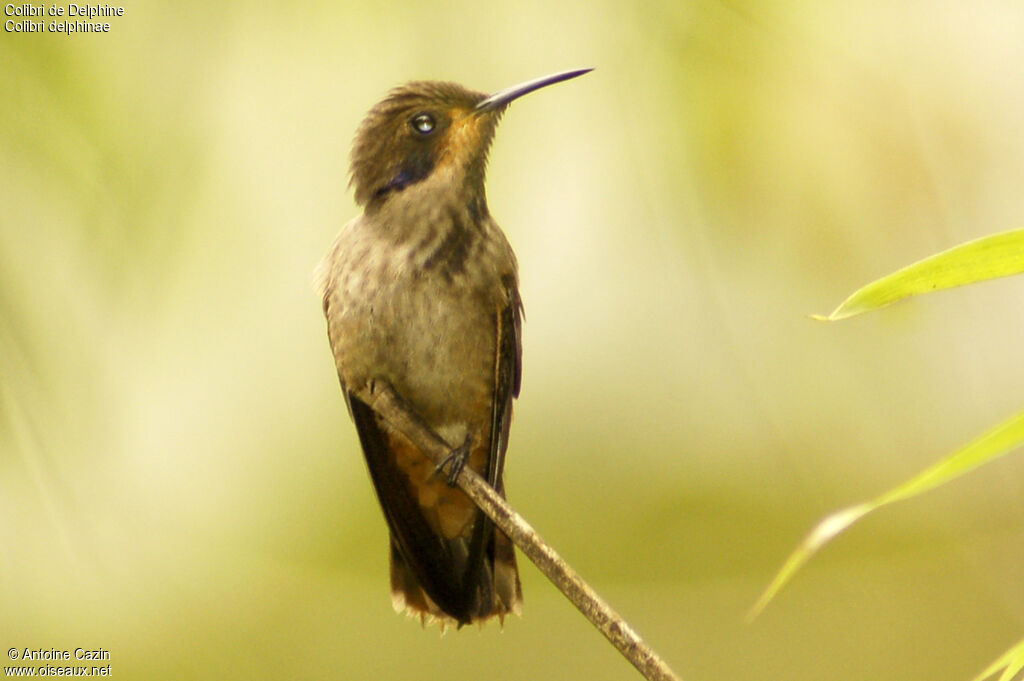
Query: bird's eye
423, 123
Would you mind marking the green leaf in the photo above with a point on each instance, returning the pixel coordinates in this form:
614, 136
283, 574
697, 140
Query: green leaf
998, 255
993, 444
1010, 663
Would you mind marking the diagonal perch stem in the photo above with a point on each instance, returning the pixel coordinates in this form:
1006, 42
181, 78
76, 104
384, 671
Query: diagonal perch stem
382, 398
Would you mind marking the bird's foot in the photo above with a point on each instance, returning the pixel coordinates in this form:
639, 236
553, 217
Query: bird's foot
455, 461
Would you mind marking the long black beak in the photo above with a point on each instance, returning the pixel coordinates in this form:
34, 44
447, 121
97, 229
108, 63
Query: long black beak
500, 99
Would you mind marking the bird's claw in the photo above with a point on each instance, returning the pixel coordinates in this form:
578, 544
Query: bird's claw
455, 462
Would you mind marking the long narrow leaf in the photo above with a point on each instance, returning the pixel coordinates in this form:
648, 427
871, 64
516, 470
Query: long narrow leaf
1011, 662
993, 444
990, 257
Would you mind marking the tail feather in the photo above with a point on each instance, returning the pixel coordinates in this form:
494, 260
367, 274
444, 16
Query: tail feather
498, 591
507, 589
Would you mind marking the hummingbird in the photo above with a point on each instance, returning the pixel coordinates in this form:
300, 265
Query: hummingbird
421, 291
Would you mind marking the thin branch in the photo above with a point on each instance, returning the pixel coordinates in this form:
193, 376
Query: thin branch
383, 400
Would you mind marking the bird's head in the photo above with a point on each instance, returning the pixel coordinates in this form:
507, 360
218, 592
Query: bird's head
429, 127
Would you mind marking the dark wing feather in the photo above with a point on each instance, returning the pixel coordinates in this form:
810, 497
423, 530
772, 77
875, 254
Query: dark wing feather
421, 546
507, 376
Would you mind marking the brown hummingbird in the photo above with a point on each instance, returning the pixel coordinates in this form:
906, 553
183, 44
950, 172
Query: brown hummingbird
421, 292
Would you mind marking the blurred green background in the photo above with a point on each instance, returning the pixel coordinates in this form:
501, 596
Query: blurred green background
180, 483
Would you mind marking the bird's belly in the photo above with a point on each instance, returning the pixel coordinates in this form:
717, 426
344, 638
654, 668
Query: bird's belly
433, 344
